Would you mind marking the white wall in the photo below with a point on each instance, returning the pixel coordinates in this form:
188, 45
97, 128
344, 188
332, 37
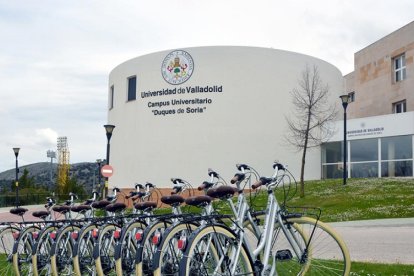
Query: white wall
244, 123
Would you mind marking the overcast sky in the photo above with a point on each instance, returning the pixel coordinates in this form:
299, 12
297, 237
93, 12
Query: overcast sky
55, 55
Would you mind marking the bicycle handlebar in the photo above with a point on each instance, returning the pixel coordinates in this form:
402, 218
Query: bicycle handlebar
237, 177
73, 195
140, 186
212, 173
149, 185
261, 181
241, 167
205, 185
131, 194
278, 166
177, 181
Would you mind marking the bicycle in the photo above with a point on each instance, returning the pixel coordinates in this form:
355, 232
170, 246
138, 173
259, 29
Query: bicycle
11, 233
134, 233
61, 251
82, 258
174, 241
217, 249
44, 238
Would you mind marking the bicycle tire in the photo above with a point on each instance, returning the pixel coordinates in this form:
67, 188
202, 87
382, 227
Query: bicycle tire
127, 248
83, 261
327, 252
146, 248
41, 252
6, 250
22, 251
209, 247
104, 251
61, 253
167, 247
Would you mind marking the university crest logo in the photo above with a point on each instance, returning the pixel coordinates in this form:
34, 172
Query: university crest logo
177, 67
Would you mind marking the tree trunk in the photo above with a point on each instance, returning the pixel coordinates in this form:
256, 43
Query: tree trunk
302, 173
302, 169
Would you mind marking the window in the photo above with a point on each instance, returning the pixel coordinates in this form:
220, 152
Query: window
393, 148
111, 97
132, 88
364, 150
351, 97
332, 152
399, 107
374, 157
332, 160
397, 156
399, 68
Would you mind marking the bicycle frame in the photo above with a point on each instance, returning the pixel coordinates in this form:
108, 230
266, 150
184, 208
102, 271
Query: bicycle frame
273, 216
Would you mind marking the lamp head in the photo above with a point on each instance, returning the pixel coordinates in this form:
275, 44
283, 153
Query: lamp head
16, 151
345, 100
109, 129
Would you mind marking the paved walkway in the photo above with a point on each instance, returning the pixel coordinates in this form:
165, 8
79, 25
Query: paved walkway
6, 216
384, 240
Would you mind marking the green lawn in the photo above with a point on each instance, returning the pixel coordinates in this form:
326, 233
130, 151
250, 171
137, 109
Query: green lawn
360, 199
375, 269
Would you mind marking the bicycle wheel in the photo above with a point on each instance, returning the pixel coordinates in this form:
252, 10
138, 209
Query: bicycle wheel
148, 246
22, 251
127, 247
6, 249
321, 251
83, 261
41, 252
62, 251
166, 260
104, 250
213, 249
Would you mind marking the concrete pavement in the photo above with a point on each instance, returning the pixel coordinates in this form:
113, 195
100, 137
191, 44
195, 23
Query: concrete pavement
384, 240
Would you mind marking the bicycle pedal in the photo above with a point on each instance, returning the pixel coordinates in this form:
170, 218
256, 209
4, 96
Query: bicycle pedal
284, 255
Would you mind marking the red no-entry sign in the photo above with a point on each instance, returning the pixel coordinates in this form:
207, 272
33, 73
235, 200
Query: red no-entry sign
107, 171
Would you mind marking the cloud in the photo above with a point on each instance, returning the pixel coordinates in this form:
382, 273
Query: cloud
47, 136
56, 57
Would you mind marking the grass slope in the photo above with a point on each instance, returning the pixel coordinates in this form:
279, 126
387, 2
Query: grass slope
360, 199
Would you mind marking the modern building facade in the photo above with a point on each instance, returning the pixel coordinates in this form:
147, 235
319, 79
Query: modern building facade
179, 112
381, 112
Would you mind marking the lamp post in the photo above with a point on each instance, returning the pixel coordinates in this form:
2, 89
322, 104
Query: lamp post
16, 153
109, 129
345, 101
99, 162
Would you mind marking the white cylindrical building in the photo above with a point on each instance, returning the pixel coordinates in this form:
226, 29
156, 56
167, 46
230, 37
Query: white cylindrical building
179, 112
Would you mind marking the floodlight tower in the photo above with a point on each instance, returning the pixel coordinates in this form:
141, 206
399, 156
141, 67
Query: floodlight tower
63, 163
52, 155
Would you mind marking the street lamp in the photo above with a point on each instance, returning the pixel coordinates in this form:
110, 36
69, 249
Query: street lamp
345, 101
99, 162
109, 129
16, 153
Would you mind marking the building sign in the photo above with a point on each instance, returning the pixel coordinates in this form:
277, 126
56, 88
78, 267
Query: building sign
365, 131
177, 67
376, 127
181, 100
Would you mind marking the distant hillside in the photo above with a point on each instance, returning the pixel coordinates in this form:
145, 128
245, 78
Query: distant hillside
85, 173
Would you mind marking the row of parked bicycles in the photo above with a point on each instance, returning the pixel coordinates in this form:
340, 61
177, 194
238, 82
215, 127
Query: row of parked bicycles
245, 240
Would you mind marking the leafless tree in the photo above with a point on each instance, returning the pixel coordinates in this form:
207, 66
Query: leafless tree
308, 123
